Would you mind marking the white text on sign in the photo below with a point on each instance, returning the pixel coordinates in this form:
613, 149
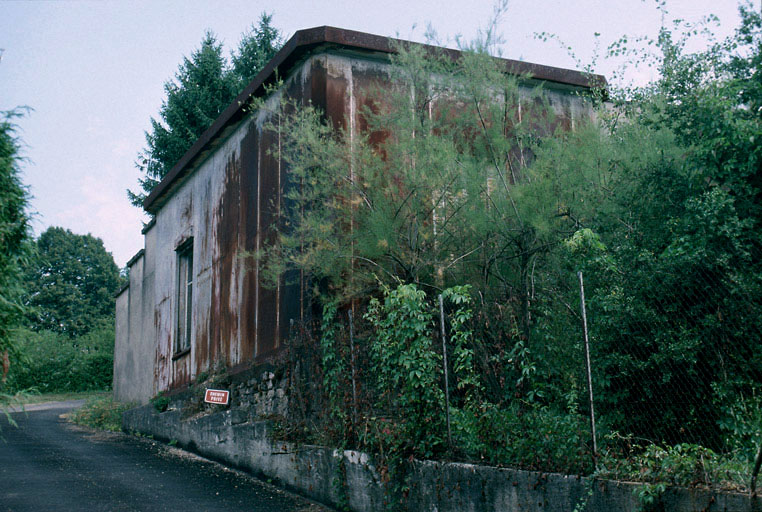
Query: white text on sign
217, 396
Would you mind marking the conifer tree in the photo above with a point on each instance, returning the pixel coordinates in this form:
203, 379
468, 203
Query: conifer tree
257, 47
204, 85
200, 90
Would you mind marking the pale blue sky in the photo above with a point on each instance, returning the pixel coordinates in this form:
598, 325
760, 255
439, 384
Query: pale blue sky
93, 71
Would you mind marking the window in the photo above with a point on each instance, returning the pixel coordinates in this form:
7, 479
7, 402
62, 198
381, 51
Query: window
184, 296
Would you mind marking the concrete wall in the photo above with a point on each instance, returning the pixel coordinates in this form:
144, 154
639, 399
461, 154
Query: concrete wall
234, 437
122, 357
134, 350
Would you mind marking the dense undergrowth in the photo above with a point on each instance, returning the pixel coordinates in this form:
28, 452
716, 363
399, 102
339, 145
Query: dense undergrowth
389, 414
498, 197
50, 362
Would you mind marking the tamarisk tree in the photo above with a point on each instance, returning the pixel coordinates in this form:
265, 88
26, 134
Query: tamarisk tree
14, 238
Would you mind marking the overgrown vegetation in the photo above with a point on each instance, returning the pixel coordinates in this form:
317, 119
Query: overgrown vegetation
102, 413
67, 340
49, 362
684, 464
469, 183
14, 244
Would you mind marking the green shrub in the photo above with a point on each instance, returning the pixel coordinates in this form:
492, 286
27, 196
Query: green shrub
685, 464
529, 436
160, 402
406, 369
102, 413
52, 362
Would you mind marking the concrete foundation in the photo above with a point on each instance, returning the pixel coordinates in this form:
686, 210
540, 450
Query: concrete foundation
335, 477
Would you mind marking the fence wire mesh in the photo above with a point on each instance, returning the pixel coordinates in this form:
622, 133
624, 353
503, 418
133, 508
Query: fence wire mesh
676, 361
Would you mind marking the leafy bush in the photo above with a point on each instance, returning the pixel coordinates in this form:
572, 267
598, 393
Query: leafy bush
160, 402
101, 413
51, 362
530, 437
406, 369
686, 465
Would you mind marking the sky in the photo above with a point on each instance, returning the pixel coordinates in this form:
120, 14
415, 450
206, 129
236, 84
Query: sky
93, 71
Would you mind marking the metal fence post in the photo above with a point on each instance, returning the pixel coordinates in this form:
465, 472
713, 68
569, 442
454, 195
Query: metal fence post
587, 361
447, 383
353, 365
755, 472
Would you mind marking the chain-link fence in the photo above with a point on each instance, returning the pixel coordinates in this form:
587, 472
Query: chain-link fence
676, 358
675, 365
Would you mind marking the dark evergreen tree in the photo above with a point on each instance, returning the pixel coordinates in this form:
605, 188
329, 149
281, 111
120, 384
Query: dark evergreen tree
202, 88
205, 84
257, 47
71, 283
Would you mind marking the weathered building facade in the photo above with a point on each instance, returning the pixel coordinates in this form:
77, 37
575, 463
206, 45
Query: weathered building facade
195, 299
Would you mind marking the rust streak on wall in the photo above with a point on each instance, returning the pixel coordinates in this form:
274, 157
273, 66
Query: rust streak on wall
248, 225
181, 369
267, 339
317, 93
224, 315
369, 88
337, 99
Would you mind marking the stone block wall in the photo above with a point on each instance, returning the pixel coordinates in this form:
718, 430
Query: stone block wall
261, 393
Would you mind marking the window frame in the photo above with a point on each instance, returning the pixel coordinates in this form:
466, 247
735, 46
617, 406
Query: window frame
183, 327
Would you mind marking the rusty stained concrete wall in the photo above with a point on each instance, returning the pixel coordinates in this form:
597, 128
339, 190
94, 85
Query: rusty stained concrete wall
123, 359
134, 351
228, 205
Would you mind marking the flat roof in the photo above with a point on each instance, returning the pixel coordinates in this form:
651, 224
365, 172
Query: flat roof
306, 40
135, 258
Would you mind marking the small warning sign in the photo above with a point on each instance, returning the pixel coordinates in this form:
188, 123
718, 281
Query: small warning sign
217, 396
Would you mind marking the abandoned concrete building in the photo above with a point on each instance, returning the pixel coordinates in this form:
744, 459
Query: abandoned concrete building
192, 300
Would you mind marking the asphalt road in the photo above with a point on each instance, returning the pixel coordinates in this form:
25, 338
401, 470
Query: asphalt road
50, 464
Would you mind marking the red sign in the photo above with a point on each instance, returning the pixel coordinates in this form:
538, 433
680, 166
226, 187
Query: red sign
217, 396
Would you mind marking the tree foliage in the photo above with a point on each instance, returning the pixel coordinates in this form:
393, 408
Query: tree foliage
257, 46
14, 231
70, 282
204, 85
445, 198
51, 362
677, 277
